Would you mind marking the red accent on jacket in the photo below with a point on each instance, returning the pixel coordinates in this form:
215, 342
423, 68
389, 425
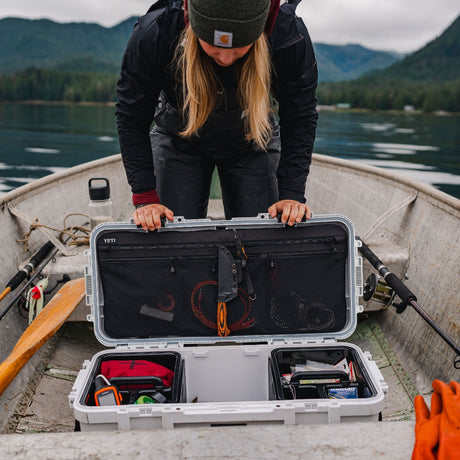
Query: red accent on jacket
150, 197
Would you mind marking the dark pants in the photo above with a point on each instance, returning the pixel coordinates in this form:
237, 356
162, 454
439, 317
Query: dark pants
184, 171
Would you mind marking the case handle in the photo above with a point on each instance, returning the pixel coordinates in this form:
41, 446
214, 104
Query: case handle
320, 377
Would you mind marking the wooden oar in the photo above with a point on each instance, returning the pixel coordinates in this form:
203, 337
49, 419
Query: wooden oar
42, 328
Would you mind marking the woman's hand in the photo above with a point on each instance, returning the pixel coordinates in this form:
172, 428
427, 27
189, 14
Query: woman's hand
291, 211
149, 216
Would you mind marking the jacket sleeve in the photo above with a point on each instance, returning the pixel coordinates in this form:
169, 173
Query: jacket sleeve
138, 88
297, 78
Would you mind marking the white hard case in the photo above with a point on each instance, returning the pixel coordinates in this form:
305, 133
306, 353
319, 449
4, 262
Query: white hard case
227, 380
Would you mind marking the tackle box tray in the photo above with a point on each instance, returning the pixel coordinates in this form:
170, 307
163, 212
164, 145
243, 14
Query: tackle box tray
246, 317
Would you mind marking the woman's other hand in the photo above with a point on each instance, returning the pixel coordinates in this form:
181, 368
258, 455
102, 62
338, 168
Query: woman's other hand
291, 211
149, 216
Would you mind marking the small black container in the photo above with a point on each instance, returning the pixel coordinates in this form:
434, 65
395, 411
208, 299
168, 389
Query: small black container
316, 384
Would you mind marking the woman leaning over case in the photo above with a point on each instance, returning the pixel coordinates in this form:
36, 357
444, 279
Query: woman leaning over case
206, 73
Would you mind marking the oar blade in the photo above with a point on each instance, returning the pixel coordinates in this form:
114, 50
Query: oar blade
42, 329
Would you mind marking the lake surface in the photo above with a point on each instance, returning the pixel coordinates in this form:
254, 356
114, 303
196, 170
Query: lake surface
37, 140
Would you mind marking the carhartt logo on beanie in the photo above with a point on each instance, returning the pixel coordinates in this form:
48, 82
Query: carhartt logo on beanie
228, 23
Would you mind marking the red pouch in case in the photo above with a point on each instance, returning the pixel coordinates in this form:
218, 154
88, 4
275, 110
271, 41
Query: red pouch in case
136, 368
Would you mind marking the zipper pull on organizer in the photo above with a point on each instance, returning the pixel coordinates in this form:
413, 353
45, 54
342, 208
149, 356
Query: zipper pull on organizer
244, 264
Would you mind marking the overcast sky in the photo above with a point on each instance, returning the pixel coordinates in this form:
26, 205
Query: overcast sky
398, 25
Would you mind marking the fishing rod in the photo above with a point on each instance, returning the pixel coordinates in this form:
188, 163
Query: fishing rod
24, 273
21, 275
407, 297
36, 259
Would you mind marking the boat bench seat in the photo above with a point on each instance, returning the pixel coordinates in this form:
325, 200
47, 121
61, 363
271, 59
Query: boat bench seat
74, 267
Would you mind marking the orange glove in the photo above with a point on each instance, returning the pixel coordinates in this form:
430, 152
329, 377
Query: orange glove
426, 427
449, 425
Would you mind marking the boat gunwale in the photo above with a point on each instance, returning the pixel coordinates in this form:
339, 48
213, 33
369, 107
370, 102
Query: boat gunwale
51, 179
376, 172
379, 173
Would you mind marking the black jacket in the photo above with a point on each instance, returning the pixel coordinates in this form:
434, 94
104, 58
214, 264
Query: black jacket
147, 71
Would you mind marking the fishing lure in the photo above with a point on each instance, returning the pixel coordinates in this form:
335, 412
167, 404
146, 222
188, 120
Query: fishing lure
35, 298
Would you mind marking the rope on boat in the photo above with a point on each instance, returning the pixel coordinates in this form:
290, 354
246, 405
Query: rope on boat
76, 234
76, 240
36, 264
69, 235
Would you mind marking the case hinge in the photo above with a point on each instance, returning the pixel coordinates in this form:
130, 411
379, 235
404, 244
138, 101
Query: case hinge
88, 286
329, 340
171, 344
279, 342
88, 279
147, 346
140, 346
359, 276
300, 341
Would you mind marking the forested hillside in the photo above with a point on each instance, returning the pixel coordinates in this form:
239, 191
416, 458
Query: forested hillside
90, 47
428, 79
439, 60
47, 44
41, 59
345, 62
51, 85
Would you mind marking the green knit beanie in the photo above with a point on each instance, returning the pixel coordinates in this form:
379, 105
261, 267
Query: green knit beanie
228, 23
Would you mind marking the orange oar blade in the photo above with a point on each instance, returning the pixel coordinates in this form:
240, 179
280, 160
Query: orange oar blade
42, 328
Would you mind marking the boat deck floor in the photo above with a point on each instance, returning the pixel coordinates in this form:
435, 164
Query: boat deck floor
43, 424
45, 406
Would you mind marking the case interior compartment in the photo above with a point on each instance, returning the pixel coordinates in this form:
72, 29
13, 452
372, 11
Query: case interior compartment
291, 281
132, 387
319, 373
292, 293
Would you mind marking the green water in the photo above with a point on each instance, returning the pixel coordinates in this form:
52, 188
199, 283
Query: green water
37, 140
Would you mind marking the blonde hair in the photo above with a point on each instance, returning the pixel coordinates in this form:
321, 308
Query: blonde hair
200, 86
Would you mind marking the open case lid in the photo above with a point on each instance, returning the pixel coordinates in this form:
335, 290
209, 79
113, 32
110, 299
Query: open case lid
269, 282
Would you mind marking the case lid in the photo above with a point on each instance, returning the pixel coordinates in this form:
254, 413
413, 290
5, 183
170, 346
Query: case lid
255, 279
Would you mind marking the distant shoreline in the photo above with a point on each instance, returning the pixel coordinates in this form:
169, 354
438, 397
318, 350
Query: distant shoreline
321, 108
333, 108
43, 102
